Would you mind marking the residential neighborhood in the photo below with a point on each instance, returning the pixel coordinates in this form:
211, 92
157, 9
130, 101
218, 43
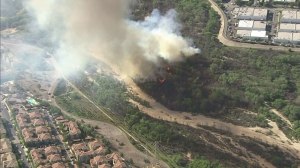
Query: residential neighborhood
7, 157
48, 138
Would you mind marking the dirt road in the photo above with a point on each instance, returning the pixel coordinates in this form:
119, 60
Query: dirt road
159, 111
282, 117
224, 40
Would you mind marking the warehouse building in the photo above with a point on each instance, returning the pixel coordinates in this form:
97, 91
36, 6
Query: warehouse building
259, 25
251, 25
245, 24
260, 14
284, 37
252, 34
296, 38
290, 16
289, 27
287, 37
250, 13
285, 1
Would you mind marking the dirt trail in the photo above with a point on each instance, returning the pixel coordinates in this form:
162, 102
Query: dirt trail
282, 117
246, 155
158, 111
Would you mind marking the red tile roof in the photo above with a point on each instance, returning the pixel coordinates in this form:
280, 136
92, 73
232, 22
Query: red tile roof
95, 144
41, 129
35, 115
80, 147
58, 165
54, 158
98, 160
52, 150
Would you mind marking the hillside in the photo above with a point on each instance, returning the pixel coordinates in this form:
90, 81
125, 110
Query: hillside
223, 78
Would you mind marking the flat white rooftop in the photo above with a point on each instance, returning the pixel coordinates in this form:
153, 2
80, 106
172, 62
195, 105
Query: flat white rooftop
260, 12
246, 11
286, 36
289, 14
290, 1
296, 37
250, 13
258, 33
287, 26
259, 25
245, 23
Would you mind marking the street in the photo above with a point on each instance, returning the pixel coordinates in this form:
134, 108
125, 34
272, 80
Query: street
12, 135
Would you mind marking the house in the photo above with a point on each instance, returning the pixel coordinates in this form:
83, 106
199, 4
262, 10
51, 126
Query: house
35, 115
29, 135
53, 158
5, 146
117, 160
38, 156
119, 164
23, 120
97, 161
58, 165
41, 129
8, 160
61, 120
45, 166
74, 131
52, 150
45, 137
79, 147
104, 166
82, 152
38, 122
95, 145
84, 156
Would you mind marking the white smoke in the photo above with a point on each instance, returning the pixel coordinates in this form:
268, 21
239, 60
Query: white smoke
104, 27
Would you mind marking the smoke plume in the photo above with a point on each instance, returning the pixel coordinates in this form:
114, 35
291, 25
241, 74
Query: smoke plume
104, 27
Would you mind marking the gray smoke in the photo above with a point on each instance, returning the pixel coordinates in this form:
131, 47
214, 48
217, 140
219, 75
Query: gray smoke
103, 27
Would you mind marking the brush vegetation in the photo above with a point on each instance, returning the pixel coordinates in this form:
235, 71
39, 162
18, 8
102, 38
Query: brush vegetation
224, 78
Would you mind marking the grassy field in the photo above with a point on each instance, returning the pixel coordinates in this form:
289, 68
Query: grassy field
79, 106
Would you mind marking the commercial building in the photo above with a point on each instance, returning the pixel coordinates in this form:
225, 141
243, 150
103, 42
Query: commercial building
259, 25
245, 24
290, 16
296, 38
287, 37
259, 34
284, 1
287, 27
260, 14
249, 13
284, 37
251, 25
243, 33
252, 34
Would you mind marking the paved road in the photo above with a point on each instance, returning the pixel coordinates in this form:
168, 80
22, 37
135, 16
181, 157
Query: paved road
226, 41
12, 134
